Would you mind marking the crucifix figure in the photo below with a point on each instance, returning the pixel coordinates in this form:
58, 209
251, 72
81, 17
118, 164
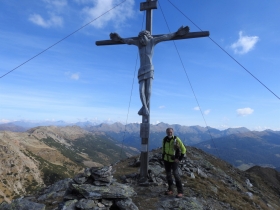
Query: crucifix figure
146, 43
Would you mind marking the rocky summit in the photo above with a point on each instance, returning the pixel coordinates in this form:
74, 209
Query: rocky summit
209, 183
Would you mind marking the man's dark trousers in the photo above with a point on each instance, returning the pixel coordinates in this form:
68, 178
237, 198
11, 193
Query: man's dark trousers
174, 167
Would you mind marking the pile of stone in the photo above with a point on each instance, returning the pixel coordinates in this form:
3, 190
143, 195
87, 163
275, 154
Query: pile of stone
93, 189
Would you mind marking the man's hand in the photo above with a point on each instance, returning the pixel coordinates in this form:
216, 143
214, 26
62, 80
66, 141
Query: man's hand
115, 37
183, 31
181, 157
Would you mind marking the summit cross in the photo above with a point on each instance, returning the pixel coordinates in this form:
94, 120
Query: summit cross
146, 42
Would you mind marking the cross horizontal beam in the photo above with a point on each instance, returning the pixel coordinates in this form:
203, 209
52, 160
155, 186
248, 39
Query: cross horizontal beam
187, 36
148, 5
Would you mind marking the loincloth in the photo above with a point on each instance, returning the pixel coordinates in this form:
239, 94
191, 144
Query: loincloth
145, 72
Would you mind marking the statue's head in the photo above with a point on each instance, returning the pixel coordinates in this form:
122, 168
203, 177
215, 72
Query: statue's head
145, 33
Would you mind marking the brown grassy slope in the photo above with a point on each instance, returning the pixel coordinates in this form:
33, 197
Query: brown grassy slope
269, 176
23, 158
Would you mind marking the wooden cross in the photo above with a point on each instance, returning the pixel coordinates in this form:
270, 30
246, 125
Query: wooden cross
146, 42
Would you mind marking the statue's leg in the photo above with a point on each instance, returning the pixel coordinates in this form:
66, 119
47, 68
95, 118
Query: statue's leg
144, 110
148, 90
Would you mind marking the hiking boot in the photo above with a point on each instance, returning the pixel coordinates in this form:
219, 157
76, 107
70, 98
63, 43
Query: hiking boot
180, 195
168, 192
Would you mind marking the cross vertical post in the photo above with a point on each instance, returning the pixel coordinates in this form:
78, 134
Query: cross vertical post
145, 125
149, 17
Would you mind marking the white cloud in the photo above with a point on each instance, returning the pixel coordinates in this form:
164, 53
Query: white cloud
244, 44
156, 122
260, 128
206, 112
83, 1
56, 3
4, 121
53, 8
222, 127
52, 21
74, 76
244, 111
117, 15
91, 10
38, 20
161, 107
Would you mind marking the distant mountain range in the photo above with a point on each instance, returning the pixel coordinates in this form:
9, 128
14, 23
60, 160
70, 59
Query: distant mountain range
190, 135
129, 134
12, 127
22, 125
239, 146
246, 149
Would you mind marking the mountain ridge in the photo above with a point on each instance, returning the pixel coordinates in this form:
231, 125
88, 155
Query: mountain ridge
193, 135
249, 148
208, 182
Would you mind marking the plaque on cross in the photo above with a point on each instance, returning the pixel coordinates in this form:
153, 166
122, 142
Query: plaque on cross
146, 42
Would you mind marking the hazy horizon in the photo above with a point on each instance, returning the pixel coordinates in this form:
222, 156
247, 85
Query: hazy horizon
98, 122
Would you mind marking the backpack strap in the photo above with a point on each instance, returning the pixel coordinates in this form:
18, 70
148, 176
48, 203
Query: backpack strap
175, 141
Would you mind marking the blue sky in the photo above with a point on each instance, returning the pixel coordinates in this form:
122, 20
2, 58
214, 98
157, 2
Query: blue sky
78, 81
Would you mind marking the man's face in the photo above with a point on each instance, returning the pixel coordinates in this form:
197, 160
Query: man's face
143, 40
169, 132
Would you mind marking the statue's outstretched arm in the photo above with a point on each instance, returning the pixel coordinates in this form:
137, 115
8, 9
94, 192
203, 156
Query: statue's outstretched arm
116, 37
180, 32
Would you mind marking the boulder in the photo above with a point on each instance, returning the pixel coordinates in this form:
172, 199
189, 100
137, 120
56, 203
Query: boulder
55, 190
69, 205
22, 204
116, 190
86, 204
180, 203
126, 204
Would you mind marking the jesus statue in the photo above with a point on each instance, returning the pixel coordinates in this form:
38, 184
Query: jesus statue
145, 44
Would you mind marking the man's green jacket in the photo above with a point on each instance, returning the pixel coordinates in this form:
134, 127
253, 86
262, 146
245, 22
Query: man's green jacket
168, 148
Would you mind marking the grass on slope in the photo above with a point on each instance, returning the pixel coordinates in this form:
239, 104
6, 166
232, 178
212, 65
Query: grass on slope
51, 172
99, 148
67, 152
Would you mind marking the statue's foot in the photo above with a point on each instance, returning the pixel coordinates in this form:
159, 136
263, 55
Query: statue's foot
144, 111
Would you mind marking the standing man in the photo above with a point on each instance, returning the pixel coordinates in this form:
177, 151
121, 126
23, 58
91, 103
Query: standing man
173, 150
146, 43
